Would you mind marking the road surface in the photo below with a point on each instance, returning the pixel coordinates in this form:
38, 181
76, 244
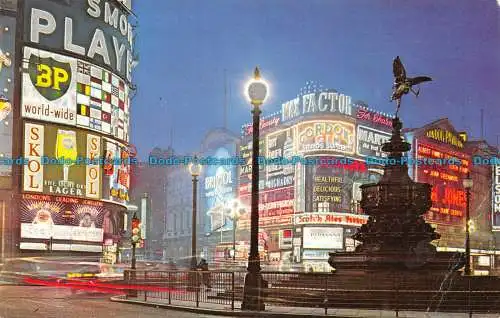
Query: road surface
53, 302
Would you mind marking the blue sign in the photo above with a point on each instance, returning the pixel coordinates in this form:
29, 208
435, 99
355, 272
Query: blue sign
219, 190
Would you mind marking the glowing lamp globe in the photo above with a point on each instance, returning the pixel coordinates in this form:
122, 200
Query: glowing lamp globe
467, 182
194, 168
257, 89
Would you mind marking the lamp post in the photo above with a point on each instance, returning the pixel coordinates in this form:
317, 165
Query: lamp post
252, 292
136, 236
467, 182
236, 211
195, 170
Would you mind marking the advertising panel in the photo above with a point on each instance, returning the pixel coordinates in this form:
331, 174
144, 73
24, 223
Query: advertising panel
7, 58
116, 172
372, 118
62, 218
347, 219
326, 135
326, 102
10, 5
495, 209
98, 30
49, 87
370, 142
219, 191
65, 90
279, 145
265, 124
336, 187
323, 238
448, 195
245, 170
61, 161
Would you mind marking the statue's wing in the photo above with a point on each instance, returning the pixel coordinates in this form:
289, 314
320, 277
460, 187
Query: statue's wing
419, 79
398, 70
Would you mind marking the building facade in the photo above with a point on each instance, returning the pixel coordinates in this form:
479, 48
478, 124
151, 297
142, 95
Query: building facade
65, 111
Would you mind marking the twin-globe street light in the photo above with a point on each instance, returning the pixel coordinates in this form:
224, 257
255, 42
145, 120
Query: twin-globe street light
257, 91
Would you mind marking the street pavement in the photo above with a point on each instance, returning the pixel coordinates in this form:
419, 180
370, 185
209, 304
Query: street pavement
54, 302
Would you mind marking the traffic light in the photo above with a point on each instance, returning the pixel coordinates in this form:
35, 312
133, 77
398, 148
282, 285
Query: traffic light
136, 230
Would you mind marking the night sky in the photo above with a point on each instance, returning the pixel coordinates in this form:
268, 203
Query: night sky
184, 47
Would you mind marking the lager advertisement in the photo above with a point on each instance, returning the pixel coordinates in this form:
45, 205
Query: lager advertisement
7, 38
61, 161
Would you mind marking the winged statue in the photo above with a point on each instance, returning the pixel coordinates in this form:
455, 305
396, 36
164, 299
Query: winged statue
403, 84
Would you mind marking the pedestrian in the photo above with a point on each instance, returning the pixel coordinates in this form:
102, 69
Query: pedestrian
205, 273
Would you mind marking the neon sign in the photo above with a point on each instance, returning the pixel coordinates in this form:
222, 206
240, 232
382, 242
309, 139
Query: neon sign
445, 136
320, 102
495, 209
366, 115
334, 136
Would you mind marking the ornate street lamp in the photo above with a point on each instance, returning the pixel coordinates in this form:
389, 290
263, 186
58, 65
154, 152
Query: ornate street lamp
467, 183
257, 90
236, 211
195, 170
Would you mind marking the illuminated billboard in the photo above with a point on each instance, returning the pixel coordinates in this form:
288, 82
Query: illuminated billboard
219, 185
265, 124
116, 172
279, 145
448, 195
495, 209
53, 166
325, 102
7, 38
333, 186
97, 30
62, 218
370, 141
68, 91
245, 170
323, 238
326, 135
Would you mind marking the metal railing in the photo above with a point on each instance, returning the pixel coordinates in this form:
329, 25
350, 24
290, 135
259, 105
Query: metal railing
321, 290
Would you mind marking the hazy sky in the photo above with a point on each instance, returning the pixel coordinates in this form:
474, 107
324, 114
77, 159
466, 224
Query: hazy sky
185, 45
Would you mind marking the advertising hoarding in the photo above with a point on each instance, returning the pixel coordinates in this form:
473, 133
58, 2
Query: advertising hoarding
279, 145
336, 187
62, 218
219, 185
495, 209
370, 141
53, 167
68, 91
245, 170
326, 135
7, 58
448, 195
98, 30
372, 118
116, 172
323, 238
347, 219
326, 102
265, 124
49, 87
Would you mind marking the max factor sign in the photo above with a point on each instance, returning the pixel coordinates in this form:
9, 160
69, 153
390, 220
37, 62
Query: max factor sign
96, 29
320, 102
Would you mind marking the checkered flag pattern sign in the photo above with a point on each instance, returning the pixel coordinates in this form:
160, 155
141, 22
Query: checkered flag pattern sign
102, 101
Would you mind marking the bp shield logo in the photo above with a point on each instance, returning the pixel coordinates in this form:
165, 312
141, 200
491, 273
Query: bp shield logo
51, 78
